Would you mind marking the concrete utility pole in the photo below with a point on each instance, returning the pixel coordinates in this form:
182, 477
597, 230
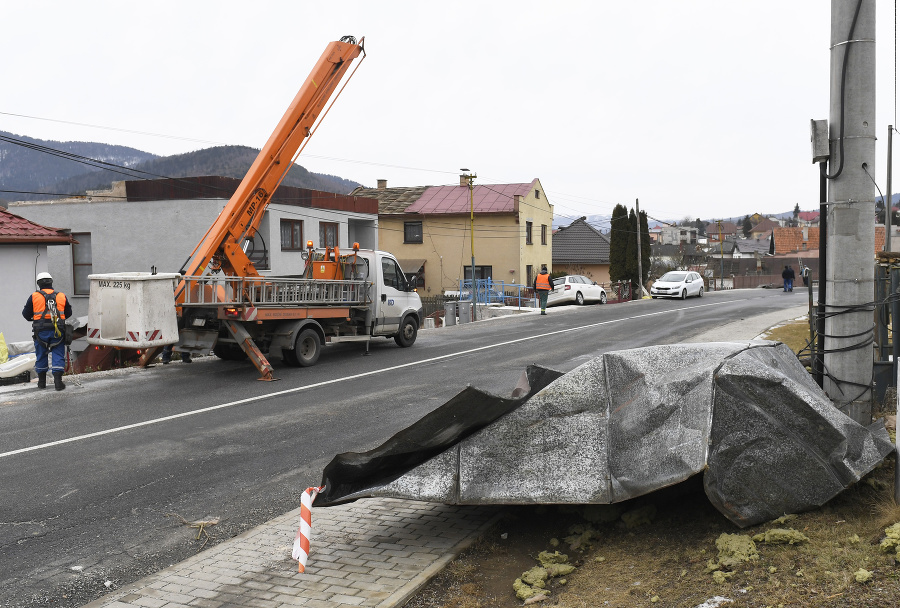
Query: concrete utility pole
470, 177
850, 278
637, 210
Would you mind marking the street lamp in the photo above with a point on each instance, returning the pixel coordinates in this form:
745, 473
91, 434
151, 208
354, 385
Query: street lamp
470, 177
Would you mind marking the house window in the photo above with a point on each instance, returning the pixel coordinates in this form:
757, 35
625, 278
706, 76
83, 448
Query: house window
82, 263
537, 194
481, 272
328, 234
292, 235
529, 274
543, 234
528, 227
412, 232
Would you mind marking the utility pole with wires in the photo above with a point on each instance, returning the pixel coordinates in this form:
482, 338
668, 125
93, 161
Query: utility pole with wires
637, 211
470, 178
849, 276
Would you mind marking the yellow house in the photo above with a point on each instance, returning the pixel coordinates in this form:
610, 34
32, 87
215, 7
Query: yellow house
428, 229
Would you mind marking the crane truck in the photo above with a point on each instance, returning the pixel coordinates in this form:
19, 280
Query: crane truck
226, 306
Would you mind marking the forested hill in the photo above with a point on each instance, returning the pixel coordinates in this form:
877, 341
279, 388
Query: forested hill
25, 170
28, 170
235, 161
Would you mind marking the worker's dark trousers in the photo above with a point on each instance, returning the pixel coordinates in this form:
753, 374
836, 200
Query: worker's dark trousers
56, 351
542, 296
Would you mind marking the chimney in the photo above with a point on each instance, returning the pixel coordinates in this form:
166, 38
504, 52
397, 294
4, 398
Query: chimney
463, 181
382, 184
805, 233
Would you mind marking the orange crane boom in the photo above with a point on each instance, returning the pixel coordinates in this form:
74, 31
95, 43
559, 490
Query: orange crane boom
222, 245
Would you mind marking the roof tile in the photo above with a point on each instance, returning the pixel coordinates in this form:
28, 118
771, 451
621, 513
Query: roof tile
15, 229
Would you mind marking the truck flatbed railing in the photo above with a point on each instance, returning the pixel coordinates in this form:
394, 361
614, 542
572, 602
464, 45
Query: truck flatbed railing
262, 292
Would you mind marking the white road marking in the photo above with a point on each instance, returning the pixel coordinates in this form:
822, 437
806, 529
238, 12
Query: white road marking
213, 408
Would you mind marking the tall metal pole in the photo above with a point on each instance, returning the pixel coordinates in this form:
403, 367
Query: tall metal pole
850, 278
470, 177
637, 210
889, 203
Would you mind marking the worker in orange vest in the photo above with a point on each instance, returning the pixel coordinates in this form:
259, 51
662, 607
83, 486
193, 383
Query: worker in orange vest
542, 287
48, 310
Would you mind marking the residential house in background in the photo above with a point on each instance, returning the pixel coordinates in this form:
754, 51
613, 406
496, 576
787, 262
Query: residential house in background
428, 229
137, 225
579, 248
763, 229
727, 230
674, 235
24, 247
796, 240
808, 218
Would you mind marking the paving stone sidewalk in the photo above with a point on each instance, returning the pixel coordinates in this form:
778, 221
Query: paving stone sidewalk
375, 552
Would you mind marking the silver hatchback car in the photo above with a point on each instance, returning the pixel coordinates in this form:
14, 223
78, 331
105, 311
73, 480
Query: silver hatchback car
678, 284
575, 289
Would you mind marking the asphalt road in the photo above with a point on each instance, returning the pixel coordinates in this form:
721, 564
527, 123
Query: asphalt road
97, 481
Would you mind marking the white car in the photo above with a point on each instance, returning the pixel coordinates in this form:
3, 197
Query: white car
678, 284
575, 288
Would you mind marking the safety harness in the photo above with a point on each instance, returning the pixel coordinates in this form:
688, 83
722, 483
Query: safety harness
51, 312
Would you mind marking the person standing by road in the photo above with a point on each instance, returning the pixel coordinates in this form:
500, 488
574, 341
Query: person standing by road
542, 287
48, 310
788, 277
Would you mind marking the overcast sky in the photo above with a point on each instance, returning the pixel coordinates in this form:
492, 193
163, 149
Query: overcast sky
697, 108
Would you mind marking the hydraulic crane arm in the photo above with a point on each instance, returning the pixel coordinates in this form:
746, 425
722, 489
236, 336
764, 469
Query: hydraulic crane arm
239, 220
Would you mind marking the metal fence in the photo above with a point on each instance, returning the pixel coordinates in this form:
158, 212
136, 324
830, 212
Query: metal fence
435, 304
618, 292
488, 291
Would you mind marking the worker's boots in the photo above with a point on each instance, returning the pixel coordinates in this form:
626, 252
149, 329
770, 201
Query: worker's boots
42, 379
57, 381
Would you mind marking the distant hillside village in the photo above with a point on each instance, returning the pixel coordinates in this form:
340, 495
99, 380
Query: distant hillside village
746, 253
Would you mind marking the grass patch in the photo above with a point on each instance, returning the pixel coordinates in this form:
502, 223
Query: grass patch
795, 334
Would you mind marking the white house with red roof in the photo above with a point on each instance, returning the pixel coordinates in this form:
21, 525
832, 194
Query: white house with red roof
428, 228
23, 254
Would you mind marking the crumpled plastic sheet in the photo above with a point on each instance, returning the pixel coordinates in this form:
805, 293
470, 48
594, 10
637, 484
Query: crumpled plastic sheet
747, 415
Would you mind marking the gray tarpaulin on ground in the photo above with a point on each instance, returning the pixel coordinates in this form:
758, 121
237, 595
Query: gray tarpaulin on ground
747, 415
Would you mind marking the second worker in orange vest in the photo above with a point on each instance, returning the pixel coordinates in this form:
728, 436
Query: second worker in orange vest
542, 287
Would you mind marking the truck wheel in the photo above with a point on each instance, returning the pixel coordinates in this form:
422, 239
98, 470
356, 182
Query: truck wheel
408, 331
307, 348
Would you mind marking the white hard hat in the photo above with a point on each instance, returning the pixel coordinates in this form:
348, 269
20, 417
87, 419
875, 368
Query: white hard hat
44, 275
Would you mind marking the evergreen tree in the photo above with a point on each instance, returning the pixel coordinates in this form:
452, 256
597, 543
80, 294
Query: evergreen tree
701, 227
631, 256
618, 241
746, 226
